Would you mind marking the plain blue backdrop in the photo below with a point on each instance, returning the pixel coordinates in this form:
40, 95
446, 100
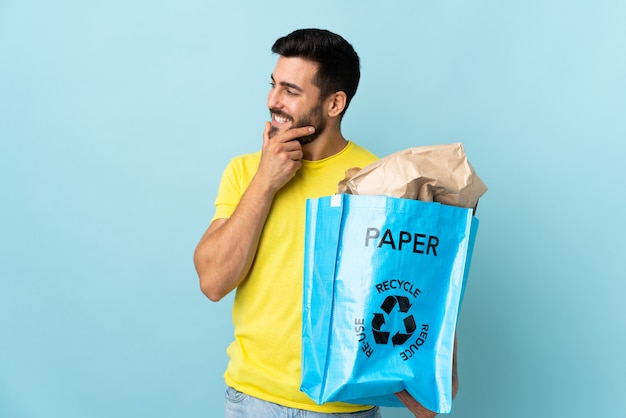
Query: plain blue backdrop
118, 117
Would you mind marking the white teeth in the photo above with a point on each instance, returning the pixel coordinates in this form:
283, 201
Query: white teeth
280, 119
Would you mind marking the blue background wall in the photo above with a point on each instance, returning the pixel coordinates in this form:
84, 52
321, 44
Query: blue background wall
117, 118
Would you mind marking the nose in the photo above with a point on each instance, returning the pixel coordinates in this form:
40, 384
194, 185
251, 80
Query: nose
273, 99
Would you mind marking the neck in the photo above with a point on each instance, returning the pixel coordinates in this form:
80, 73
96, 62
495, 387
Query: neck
326, 145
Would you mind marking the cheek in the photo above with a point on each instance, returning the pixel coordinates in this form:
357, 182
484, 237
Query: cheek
292, 106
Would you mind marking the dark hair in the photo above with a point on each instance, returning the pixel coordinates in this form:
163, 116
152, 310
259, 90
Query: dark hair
339, 68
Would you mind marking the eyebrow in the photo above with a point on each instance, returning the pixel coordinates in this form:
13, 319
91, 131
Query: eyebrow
286, 84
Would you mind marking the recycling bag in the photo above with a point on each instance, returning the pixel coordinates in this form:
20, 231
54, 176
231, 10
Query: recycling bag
383, 283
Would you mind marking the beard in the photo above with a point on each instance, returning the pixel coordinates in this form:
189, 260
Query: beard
314, 118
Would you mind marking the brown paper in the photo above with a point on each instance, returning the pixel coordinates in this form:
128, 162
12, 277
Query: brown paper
436, 173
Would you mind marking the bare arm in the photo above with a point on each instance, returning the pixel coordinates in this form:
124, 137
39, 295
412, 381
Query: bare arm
226, 250
415, 407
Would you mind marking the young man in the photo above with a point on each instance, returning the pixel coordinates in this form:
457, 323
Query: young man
256, 238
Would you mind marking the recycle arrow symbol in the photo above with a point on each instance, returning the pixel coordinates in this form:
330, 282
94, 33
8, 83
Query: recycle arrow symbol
390, 302
378, 321
381, 337
410, 327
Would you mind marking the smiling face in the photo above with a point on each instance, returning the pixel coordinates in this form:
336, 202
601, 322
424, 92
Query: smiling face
294, 101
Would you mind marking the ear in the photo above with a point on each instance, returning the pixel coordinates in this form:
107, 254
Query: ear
336, 103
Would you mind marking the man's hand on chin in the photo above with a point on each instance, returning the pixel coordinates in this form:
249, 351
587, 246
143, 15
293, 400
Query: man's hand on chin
415, 407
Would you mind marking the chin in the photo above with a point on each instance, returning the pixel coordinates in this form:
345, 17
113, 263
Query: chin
273, 131
307, 139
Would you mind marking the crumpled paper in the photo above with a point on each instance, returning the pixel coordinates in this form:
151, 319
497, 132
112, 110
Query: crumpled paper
436, 173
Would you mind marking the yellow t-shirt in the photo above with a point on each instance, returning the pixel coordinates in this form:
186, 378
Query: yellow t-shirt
267, 311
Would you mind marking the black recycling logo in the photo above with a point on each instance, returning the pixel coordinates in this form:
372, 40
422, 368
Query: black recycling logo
381, 336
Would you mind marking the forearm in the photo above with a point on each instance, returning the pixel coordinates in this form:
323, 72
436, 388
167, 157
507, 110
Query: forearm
415, 407
455, 377
226, 251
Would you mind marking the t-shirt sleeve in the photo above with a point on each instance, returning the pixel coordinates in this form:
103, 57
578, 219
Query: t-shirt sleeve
235, 180
228, 194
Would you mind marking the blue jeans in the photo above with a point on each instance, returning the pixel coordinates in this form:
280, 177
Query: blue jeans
240, 405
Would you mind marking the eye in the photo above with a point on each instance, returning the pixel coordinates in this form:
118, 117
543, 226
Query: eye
291, 92
272, 84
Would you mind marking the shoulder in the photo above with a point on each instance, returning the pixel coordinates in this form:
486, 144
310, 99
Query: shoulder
246, 159
359, 152
244, 164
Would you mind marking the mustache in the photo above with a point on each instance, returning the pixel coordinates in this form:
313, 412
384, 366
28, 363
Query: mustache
279, 112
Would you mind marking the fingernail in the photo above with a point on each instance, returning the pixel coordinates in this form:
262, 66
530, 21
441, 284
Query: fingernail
311, 129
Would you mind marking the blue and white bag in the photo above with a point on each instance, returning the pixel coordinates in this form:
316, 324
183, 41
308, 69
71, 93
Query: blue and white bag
383, 283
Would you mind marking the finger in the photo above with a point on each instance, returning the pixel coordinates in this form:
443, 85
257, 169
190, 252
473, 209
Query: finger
297, 154
291, 149
290, 146
293, 133
266, 133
